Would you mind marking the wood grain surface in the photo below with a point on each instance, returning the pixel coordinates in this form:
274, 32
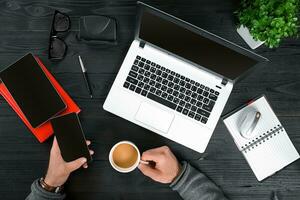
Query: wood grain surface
24, 27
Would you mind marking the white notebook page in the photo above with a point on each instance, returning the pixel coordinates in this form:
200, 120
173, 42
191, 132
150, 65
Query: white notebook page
270, 150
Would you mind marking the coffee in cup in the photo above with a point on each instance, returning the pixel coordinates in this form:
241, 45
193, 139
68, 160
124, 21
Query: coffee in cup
124, 156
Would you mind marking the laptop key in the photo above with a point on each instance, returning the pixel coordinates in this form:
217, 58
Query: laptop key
176, 87
191, 114
197, 117
170, 98
205, 93
197, 84
199, 104
194, 95
212, 97
141, 84
131, 80
164, 95
179, 108
144, 92
157, 85
161, 101
146, 80
193, 101
152, 89
158, 72
165, 82
204, 120
164, 88
200, 98
126, 85
148, 62
138, 57
209, 106
205, 100
140, 77
194, 88
185, 111
141, 64
147, 67
158, 92
194, 108
141, 71
188, 85
176, 100
146, 87
175, 93
170, 84
181, 103
132, 87
134, 68
181, 96
199, 91
147, 73
143, 59
136, 62
203, 112
217, 93
152, 83
138, 90
188, 106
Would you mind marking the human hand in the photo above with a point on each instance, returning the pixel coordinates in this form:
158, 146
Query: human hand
166, 168
59, 170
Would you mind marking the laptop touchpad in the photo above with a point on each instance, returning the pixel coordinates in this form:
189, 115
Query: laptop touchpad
154, 117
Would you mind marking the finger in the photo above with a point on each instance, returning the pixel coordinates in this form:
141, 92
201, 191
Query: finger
88, 142
55, 146
91, 152
153, 154
149, 171
76, 164
85, 165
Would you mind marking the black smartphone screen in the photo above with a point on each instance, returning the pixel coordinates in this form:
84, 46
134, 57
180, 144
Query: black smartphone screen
32, 90
70, 137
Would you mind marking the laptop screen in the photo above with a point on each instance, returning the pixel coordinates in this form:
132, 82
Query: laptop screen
169, 35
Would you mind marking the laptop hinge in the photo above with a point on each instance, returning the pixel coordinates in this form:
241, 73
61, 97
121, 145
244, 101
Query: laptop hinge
142, 44
224, 81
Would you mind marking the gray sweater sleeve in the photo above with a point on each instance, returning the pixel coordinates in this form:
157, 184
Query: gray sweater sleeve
193, 185
38, 193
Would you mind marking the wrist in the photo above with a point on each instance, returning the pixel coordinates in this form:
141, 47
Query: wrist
52, 181
50, 188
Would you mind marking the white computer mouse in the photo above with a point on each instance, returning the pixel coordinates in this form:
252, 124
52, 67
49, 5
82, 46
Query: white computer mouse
248, 123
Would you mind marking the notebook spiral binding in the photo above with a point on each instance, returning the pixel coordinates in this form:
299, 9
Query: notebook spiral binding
262, 138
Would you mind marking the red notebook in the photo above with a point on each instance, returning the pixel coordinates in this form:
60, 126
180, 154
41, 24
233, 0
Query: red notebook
44, 131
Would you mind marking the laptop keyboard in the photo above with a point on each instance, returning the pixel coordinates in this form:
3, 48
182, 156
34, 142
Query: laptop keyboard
171, 89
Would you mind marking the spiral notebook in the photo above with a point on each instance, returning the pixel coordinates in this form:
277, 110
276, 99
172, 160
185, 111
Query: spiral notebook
270, 149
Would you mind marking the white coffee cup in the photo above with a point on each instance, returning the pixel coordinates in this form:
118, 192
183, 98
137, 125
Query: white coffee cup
121, 169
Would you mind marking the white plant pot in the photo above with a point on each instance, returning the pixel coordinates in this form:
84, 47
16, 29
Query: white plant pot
245, 34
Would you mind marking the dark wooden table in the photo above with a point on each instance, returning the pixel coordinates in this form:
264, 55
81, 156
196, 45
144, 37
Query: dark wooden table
24, 27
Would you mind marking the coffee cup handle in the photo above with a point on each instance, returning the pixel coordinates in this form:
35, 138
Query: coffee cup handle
144, 162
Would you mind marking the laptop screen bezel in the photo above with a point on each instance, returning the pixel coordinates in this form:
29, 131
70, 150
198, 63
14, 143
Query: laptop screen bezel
142, 7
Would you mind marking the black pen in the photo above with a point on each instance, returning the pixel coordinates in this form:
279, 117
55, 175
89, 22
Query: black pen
85, 77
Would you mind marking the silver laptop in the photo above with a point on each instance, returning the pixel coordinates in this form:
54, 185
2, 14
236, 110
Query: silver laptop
176, 78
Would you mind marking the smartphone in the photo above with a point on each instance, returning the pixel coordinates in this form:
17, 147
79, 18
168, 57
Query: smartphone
70, 137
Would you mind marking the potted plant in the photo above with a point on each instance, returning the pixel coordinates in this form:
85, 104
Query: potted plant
267, 21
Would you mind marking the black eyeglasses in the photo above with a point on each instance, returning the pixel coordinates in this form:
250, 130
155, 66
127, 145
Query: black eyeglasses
61, 24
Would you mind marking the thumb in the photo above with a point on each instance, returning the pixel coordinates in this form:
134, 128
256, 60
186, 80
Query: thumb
76, 164
147, 170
